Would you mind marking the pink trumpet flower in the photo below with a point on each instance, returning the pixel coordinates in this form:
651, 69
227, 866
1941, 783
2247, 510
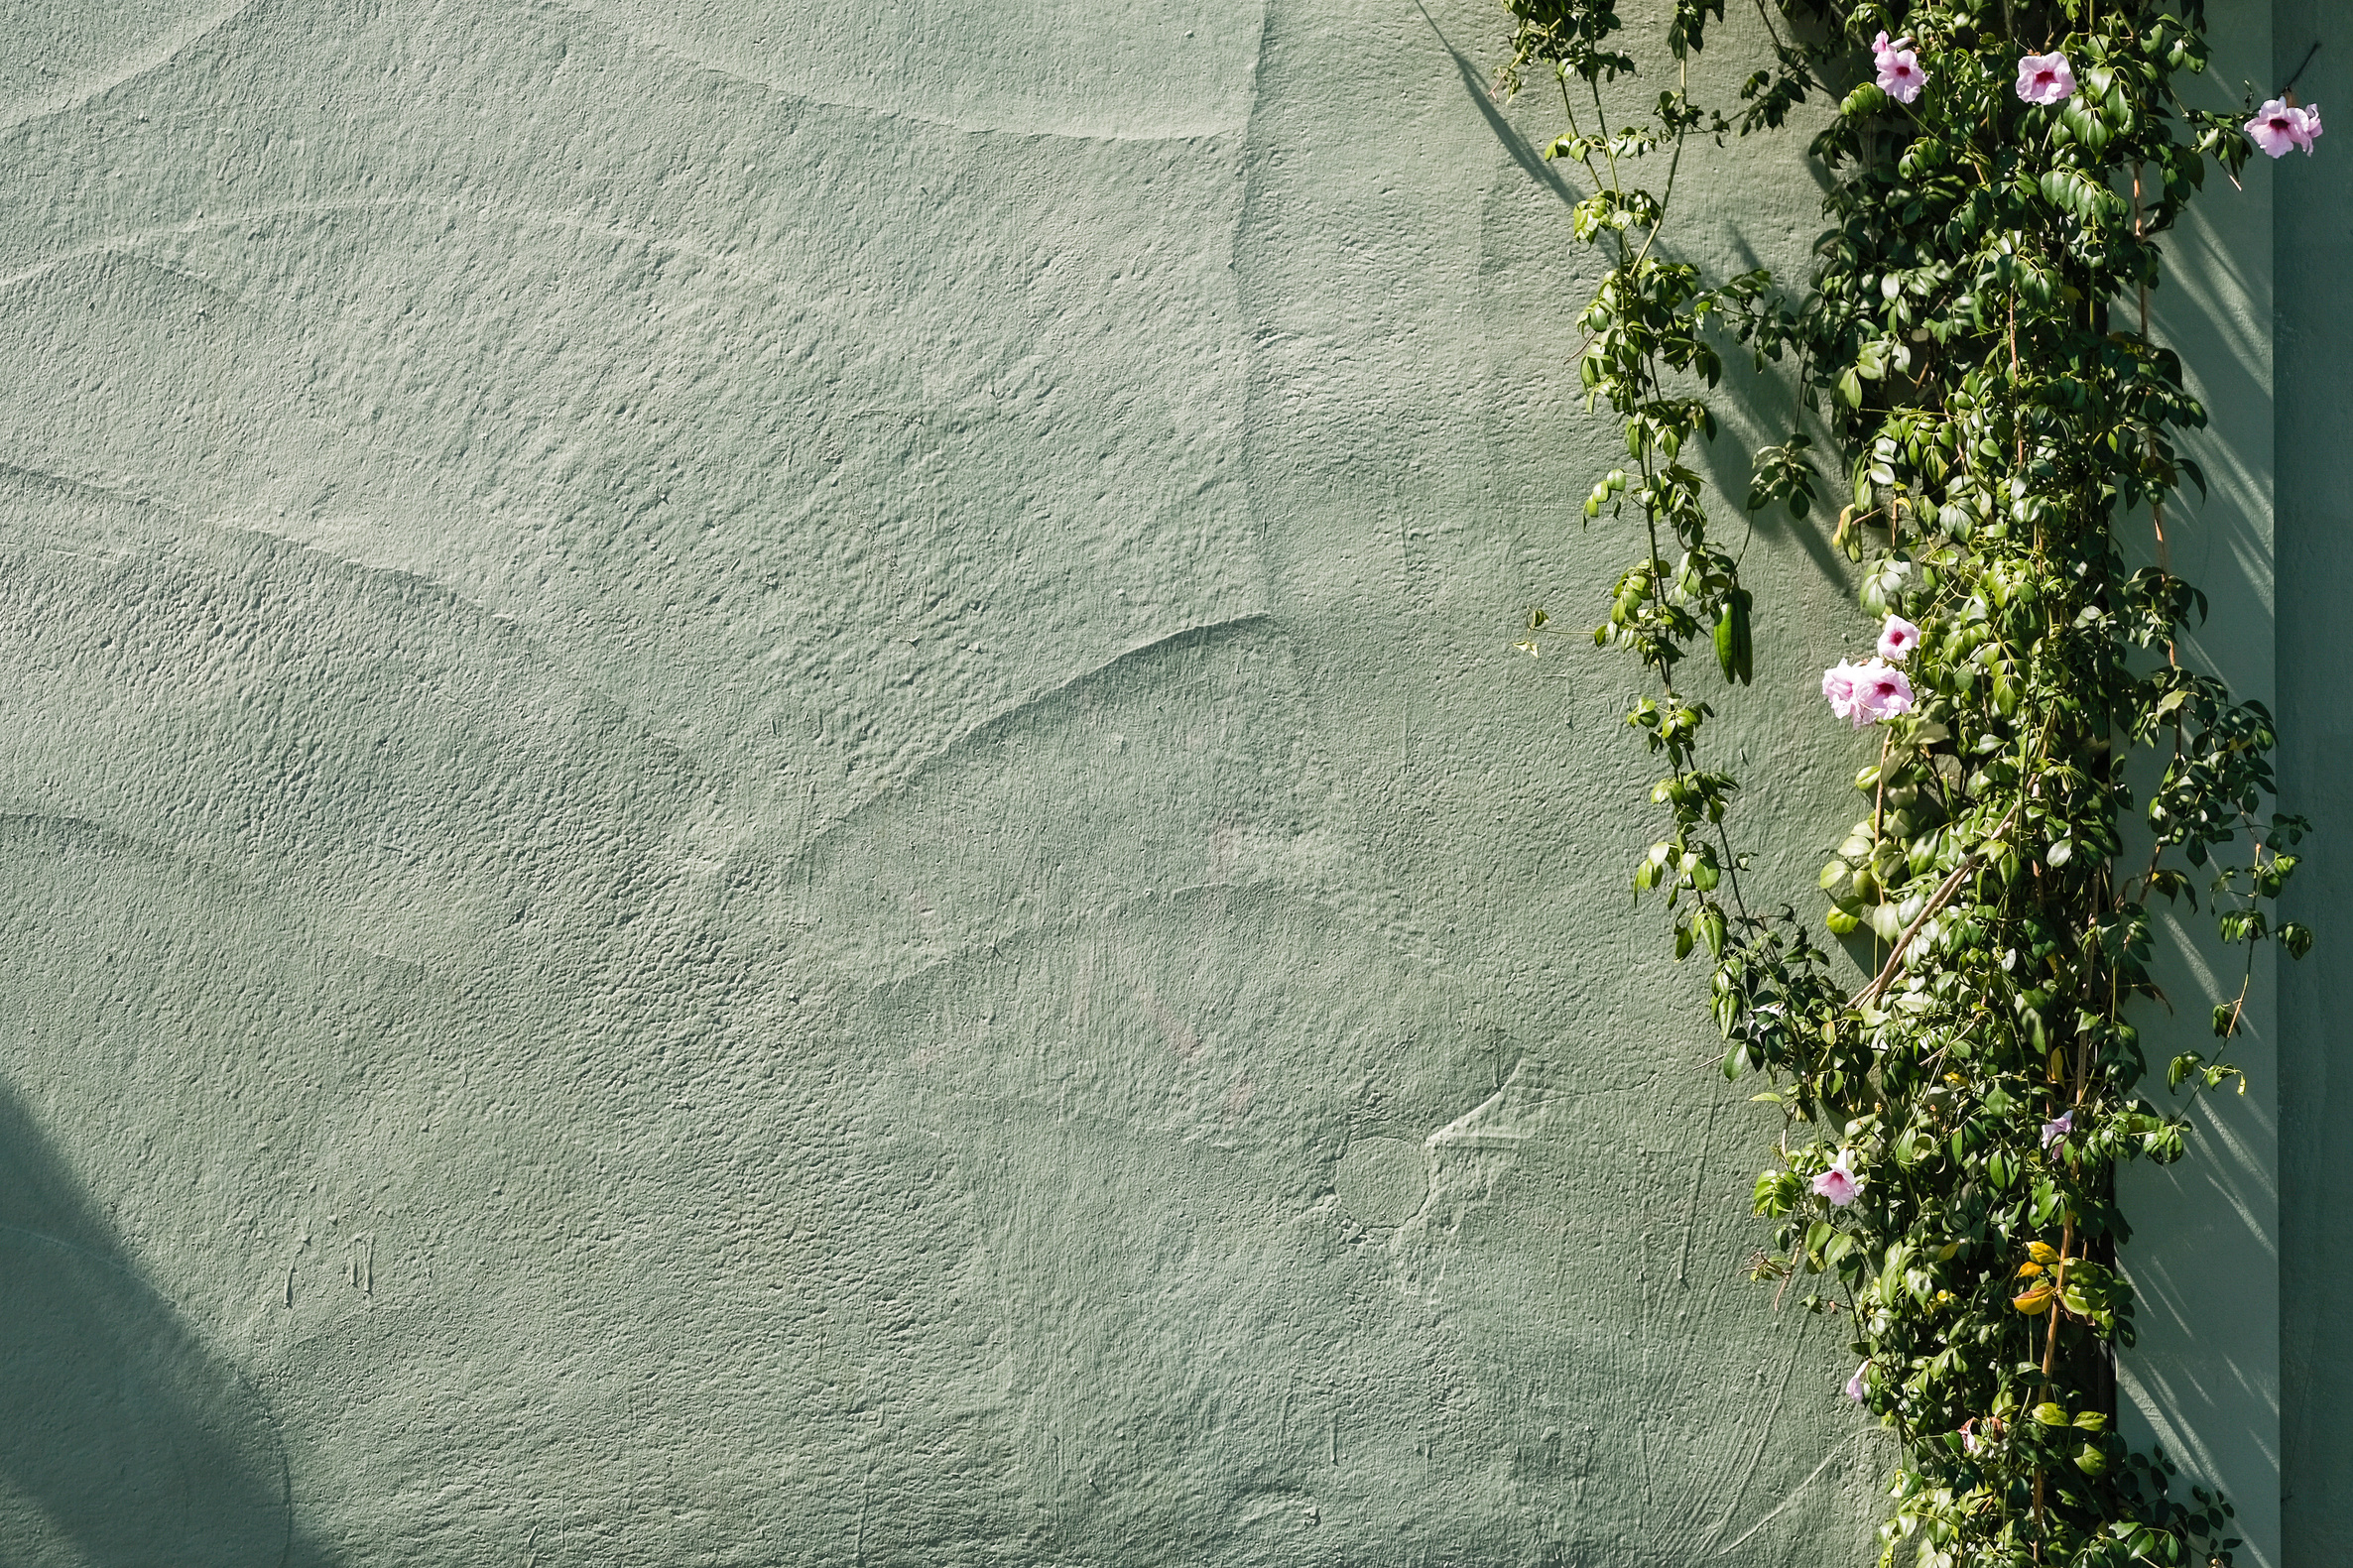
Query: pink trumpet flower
2279, 126
1866, 693
1838, 685
1897, 639
1880, 692
1900, 76
1839, 1183
2045, 78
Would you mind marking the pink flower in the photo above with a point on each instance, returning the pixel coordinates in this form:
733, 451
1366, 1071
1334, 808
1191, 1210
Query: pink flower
1880, 692
2046, 78
1838, 685
1854, 1385
2053, 1132
2277, 128
1897, 639
1867, 693
1839, 1183
1900, 76
2280, 125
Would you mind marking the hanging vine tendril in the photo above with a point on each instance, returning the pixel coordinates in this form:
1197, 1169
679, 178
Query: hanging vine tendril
1976, 348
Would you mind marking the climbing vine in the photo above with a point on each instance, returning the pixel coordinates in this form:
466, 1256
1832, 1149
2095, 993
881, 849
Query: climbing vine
1974, 350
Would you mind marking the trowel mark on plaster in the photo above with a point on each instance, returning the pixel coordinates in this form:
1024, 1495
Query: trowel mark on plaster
365, 546
256, 860
843, 892
130, 240
399, 579
1494, 1123
1683, 1262
629, 22
48, 830
233, 522
1380, 1180
412, 467
906, 772
150, 55
1764, 1433
997, 1028
125, 252
1796, 1492
1457, 1178
81, 489
1200, 638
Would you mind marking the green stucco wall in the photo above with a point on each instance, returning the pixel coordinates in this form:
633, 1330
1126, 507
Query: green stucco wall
2204, 1377
2315, 551
764, 803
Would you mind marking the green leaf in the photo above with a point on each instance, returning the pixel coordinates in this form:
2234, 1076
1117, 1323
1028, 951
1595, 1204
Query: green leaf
1867, 100
1734, 654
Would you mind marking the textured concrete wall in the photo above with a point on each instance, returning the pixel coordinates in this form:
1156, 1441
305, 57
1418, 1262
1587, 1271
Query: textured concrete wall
765, 803
2204, 1378
2315, 532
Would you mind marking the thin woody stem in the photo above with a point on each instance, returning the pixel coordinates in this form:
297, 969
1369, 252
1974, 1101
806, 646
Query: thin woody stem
1943, 895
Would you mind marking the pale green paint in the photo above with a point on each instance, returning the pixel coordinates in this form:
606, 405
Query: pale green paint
769, 805
2315, 446
2204, 1379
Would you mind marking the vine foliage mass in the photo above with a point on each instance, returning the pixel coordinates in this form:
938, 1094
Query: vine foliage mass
1974, 348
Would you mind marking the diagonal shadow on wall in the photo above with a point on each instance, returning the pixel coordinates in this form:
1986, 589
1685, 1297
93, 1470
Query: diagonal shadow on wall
123, 1439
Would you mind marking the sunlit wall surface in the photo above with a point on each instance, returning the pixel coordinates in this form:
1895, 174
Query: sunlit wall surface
766, 802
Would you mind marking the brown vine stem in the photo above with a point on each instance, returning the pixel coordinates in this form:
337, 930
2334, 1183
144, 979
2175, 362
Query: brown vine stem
2238, 1008
1943, 895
